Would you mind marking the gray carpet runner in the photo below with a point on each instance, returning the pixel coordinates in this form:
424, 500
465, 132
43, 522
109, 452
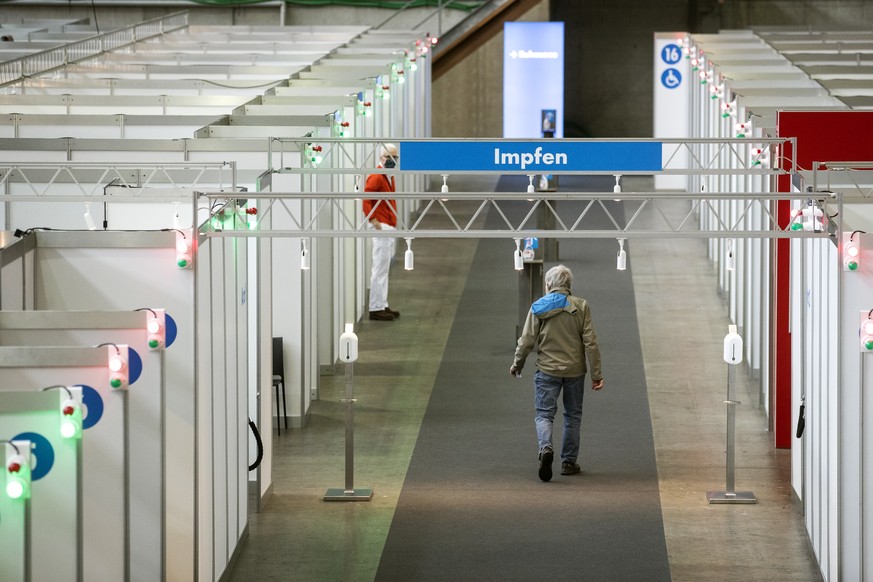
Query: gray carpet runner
472, 506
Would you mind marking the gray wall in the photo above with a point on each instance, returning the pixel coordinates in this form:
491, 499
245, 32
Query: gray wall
609, 49
468, 100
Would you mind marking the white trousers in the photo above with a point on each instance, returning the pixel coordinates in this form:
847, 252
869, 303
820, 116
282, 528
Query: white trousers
383, 252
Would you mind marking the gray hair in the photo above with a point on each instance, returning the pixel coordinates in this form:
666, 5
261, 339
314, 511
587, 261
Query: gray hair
389, 150
559, 277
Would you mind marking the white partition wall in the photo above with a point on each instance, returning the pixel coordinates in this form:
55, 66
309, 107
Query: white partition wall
117, 271
145, 427
104, 483
239, 139
748, 79
47, 523
222, 368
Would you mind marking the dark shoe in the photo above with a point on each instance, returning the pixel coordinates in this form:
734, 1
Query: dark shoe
396, 314
546, 458
570, 468
381, 315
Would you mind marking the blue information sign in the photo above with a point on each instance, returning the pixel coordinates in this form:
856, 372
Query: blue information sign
544, 157
671, 78
533, 79
671, 54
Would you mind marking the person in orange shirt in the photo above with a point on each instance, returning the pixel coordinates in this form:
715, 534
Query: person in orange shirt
381, 214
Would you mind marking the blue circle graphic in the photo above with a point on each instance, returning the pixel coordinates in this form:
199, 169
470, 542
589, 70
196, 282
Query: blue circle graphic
42, 450
134, 361
172, 330
671, 78
93, 406
671, 54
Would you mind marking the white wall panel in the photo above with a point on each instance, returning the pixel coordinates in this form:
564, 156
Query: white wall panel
104, 486
145, 427
124, 279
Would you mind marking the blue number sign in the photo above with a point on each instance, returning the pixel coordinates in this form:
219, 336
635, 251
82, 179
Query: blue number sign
671, 54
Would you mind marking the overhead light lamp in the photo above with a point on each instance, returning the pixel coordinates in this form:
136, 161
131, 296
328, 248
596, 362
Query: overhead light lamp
71, 413
304, 255
517, 257
866, 332
156, 329
760, 156
70, 410
621, 258
812, 217
851, 252
408, 258
184, 251
17, 472
119, 373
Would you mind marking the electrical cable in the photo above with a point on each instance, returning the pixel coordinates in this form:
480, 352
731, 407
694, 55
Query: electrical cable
14, 446
260, 444
69, 394
117, 351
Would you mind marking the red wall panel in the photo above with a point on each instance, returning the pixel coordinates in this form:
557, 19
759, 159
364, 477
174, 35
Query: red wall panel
822, 136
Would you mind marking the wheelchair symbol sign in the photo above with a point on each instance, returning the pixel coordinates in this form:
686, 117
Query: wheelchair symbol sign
671, 78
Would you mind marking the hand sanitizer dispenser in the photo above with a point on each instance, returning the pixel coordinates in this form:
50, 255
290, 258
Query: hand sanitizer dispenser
348, 344
733, 346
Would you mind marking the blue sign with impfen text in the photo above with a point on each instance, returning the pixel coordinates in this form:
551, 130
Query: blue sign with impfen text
552, 157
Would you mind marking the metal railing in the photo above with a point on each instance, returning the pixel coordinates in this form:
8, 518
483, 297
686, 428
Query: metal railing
46, 61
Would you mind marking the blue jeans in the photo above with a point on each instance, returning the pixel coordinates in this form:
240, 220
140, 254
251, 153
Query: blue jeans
547, 390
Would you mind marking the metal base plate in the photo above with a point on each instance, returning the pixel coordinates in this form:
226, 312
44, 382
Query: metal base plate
340, 494
724, 497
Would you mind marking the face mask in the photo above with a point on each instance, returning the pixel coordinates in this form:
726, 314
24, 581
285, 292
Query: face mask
389, 163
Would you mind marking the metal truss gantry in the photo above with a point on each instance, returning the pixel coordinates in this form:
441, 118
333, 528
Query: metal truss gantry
327, 204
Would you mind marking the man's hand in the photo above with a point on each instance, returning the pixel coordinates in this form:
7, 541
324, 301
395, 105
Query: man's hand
513, 371
376, 224
597, 385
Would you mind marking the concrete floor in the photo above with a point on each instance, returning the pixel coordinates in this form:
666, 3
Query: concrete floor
297, 536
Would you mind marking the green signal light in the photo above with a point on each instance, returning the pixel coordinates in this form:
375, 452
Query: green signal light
71, 421
17, 478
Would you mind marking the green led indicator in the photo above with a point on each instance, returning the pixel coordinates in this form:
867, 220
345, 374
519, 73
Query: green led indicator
852, 265
796, 226
18, 480
869, 344
153, 343
182, 263
71, 423
115, 382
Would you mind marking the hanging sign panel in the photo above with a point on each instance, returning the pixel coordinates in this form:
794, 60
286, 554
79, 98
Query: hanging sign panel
533, 79
531, 157
672, 100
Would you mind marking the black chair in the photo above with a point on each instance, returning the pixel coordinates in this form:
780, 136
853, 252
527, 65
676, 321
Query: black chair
279, 380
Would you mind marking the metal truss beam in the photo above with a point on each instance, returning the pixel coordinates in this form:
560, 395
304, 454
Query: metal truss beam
521, 215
